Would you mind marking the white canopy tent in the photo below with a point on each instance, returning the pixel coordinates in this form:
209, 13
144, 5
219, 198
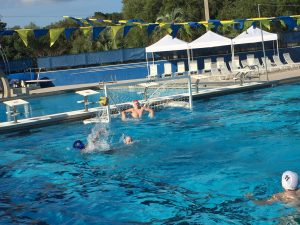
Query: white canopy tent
209, 40
167, 44
254, 35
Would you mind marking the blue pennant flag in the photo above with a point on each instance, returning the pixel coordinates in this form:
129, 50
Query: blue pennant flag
97, 31
175, 28
7, 32
78, 21
195, 25
69, 31
40, 32
135, 21
239, 25
126, 30
216, 24
151, 27
289, 21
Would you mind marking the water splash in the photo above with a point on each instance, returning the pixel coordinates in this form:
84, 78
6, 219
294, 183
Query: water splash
98, 139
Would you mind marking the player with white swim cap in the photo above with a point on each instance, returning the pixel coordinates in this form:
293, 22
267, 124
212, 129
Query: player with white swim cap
289, 180
291, 194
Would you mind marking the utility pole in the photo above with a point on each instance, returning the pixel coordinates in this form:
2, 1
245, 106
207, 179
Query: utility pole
206, 10
262, 42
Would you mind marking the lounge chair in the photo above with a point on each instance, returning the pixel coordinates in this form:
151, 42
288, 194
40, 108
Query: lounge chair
280, 64
180, 69
235, 63
215, 73
226, 72
153, 72
272, 67
250, 60
289, 60
167, 70
253, 69
207, 65
194, 67
220, 63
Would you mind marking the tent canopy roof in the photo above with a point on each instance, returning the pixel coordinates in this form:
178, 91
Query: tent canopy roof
166, 44
210, 39
253, 35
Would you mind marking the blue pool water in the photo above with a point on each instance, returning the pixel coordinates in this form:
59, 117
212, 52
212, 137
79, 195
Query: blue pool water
185, 167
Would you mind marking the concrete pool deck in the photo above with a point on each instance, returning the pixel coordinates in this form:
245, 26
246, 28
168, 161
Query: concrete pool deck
213, 88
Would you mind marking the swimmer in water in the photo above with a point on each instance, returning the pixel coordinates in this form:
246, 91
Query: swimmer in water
290, 195
137, 111
127, 140
79, 145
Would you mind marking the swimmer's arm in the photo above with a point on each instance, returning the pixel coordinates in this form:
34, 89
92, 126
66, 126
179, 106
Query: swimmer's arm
267, 201
124, 113
151, 111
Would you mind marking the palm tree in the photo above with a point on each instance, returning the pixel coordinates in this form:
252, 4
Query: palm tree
177, 15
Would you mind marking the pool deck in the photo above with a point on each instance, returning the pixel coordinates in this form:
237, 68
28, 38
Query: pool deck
212, 89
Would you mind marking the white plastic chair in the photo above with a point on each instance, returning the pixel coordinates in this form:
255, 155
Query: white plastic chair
180, 69
153, 71
194, 67
235, 63
207, 65
220, 62
250, 60
280, 64
167, 70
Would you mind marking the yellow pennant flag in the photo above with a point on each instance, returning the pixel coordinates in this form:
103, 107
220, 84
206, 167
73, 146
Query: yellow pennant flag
86, 30
208, 26
54, 34
266, 24
187, 29
114, 30
23, 33
247, 24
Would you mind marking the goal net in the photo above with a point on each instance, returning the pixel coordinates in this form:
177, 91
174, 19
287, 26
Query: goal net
172, 92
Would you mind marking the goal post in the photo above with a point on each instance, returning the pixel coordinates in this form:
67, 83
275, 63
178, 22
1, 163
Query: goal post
158, 93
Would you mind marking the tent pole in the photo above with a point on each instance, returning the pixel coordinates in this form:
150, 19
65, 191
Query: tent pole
147, 65
189, 60
232, 51
277, 46
263, 44
152, 58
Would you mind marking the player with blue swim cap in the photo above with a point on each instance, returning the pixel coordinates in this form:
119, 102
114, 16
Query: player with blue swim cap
78, 145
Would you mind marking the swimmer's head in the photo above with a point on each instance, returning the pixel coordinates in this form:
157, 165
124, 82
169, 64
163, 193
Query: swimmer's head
136, 102
78, 145
289, 180
127, 140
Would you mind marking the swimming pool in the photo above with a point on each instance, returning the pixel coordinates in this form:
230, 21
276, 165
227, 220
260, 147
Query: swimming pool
185, 166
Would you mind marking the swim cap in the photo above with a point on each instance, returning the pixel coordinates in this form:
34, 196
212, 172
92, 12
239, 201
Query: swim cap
136, 101
78, 145
289, 180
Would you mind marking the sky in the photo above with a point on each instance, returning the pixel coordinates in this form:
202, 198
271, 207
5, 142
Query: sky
44, 12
